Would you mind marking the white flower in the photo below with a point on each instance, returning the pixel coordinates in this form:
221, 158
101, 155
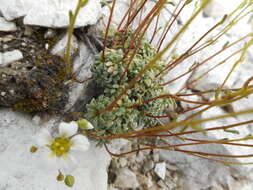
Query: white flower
61, 152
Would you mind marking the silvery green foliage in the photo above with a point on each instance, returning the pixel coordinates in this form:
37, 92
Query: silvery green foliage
107, 75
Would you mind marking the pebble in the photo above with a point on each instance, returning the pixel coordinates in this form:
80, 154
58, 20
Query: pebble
160, 170
134, 167
126, 179
172, 167
6, 26
5, 46
123, 162
50, 33
145, 181
139, 157
3, 93
148, 165
10, 56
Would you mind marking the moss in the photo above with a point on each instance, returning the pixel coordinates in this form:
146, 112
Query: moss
45, 88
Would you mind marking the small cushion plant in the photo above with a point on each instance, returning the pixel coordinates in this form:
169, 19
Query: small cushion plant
108, 73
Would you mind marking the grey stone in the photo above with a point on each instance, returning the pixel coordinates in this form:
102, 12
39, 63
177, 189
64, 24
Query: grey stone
10, 56
126, 179
6, 26
122, 162
198, 173
120, 145
148, 165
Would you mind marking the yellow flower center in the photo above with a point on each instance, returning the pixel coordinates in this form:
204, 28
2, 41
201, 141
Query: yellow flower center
60, 146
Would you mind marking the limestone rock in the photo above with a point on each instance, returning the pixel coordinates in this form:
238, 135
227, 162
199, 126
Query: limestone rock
126, 179
79, 94
13, 9
6, 26
219, 8
21, 169
50, 13
198, 173
160, 169
55, 14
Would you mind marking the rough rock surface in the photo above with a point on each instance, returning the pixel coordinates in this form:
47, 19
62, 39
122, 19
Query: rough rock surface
124, 174
198, 173
219, 8
20, 168
50, 13
6, 26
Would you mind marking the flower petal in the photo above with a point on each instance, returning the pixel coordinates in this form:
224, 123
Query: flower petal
48, 162
80, 142
71, 162
44, 160
68, 129
43, 138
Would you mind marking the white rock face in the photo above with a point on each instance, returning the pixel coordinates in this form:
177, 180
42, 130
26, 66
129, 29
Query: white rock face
21, 169
219, 8
199, 173
78, 95
50, 13
57, 13
60, 47
6, 26
15, 8
10, 56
